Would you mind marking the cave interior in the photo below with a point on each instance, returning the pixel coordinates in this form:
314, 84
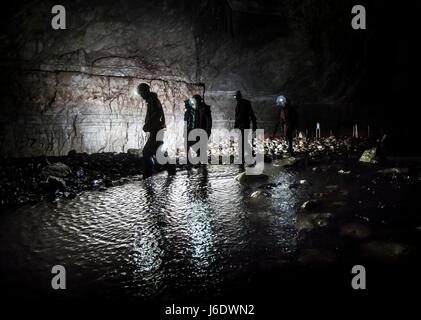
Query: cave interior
73, 89
71, 130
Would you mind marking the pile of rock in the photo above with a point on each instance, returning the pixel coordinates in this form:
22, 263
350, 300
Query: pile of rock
26, 180
278, 147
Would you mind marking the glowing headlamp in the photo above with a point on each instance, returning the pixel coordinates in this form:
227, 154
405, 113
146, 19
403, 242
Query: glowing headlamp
281, 101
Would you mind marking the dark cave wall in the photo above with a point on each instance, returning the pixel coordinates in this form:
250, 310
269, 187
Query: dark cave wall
73, 89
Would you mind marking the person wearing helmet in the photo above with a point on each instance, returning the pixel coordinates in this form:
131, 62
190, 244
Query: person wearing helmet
191, 114
244, 114
154, 121
288, 120
191, 119
205, 116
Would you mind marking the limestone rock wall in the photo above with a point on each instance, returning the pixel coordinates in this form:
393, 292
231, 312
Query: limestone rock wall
56, 112
75, 88
72, 89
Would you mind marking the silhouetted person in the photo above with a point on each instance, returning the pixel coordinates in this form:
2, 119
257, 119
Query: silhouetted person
154, 121
288, 120
205, 116
191, 118
244, 114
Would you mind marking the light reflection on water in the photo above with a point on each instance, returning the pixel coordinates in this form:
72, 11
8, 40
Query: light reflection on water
185, 233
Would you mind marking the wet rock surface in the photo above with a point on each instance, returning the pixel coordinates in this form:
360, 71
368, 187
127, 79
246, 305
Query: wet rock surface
262, 229
34, 179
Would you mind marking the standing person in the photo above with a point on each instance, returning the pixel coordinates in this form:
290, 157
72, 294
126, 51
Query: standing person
205, 117
288, 120
244, 114
191, 119
154, 121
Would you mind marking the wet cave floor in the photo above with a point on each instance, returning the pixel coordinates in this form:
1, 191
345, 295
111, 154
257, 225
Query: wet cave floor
202, 235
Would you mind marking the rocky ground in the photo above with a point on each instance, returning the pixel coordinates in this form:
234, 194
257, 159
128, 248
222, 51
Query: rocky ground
359, 212
25, 180
356, 210
353, 209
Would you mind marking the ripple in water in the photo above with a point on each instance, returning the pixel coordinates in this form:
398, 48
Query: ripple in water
185, 233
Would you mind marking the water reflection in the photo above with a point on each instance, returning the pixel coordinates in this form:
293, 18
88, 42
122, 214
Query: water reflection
199, 216
185, 233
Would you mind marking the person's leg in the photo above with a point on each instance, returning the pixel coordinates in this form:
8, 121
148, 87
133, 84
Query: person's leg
187, 145
188, 152
198, 150
289, 136
248, 148
147, 157
170, 168
207, 150
149, 152
156, 146
243, 147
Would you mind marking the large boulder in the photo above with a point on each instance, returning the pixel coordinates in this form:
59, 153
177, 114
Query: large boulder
136, 153
244, 178
369, 156
56, 183
57, 169
286, 162
259, 195
312, 221
311, 205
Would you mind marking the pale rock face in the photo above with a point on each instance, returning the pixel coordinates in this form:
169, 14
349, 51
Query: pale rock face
62, 111
73, 89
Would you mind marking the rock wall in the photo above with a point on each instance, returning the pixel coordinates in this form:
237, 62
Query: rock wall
73, 88
56, 112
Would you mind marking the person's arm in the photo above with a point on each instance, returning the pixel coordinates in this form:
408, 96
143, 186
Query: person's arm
146, 126
153, 120
186, 110
236, 117
209, 123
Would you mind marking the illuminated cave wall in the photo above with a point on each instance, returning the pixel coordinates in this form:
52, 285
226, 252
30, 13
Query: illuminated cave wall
56, 112
73, 89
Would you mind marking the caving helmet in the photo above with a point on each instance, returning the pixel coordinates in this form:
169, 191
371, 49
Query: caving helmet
281, 101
